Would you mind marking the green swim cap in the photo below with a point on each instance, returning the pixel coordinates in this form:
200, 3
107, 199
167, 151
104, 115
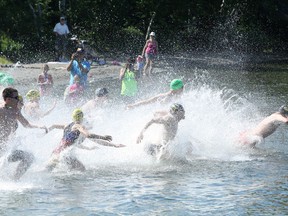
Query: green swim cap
77, 115
33, 94
176, 84
6, 79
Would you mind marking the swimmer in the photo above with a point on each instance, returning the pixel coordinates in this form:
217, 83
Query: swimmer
10, 115
32, 107
176, 90
170, 121
265, 128
75, 133
100, 100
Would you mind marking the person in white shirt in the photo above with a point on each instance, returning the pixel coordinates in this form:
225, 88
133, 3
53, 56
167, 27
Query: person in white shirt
61, 30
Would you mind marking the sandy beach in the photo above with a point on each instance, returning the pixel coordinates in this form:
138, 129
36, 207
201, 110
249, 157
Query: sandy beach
27, 75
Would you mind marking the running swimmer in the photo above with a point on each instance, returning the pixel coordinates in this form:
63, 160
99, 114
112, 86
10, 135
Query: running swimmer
176, 90
170, 121
265, 128
10, 114
32, 107
75, 133
100, 100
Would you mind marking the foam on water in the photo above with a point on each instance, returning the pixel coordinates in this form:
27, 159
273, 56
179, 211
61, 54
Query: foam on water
214, 118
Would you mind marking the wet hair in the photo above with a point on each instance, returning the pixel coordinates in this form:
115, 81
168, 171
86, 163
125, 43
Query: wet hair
284, 110
176, 108
8, 92
100, 92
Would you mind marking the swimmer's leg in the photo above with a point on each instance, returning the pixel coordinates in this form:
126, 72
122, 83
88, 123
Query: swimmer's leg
25, 158
53, 162
74, 163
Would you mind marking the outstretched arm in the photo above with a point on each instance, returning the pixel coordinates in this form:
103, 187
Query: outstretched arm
148, 101
140, 137
27, 124
122, 73
50, 110
56, 126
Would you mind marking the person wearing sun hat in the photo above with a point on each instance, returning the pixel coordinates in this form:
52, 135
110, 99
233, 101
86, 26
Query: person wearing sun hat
150, 51
176, 90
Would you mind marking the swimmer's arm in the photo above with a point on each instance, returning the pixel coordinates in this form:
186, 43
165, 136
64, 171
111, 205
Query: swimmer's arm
50, 110
27, 124
122, 73
95, 136
56, 126
140, 137
148, 101
87, 148
88, 135
106, 143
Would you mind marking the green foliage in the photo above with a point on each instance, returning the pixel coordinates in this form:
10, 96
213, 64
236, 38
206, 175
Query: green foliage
113, 26
8, 46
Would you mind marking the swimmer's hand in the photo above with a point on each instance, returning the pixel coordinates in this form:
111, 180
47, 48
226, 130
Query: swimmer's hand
128, 107
119, 145
107, 137
139, 139
45, 128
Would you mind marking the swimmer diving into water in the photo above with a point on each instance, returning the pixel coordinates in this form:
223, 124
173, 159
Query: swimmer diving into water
265, 128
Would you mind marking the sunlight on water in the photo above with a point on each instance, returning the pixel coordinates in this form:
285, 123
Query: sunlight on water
214, 118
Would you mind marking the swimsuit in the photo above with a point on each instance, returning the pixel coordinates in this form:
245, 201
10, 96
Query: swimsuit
68, 139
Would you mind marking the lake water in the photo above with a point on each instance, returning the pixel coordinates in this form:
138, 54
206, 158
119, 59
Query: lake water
218, 179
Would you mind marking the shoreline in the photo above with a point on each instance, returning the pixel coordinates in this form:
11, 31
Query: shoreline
27, 74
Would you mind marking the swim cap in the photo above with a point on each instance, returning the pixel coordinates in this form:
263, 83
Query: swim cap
6, 79
100, 92
284, 110
77, 115
176, 84
33, 94
176, 108
20, 99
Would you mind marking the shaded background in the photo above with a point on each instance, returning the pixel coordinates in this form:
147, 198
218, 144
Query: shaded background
115, 27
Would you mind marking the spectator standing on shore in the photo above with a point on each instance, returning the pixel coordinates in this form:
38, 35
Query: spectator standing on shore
61, 31
79, 66
45, 82
128, 81
150, 51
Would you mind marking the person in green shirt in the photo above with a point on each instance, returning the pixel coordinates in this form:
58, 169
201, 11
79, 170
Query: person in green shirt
129, 81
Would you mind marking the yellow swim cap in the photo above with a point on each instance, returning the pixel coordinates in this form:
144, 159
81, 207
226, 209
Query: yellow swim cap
77, 115
176, 84
20, 99
33, 94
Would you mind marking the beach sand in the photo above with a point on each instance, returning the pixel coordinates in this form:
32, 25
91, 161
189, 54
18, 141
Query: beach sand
27, 75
